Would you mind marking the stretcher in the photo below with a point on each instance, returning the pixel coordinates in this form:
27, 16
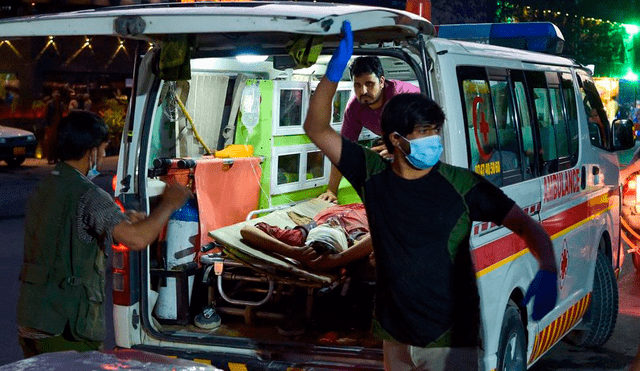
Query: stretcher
278, 272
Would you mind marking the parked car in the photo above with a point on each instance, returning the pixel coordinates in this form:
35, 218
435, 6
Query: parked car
16, 145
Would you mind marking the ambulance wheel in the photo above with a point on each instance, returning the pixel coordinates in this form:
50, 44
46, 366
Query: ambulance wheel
512, 351
600, 318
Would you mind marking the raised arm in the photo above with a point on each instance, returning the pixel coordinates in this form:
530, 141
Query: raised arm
317, 125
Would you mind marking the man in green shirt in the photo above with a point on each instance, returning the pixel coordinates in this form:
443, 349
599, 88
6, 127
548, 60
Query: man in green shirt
69, 223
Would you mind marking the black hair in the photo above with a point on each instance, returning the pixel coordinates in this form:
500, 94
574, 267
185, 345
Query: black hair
79, 132
366, 65
403, 112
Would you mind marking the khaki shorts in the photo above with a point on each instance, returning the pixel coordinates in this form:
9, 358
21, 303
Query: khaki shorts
403, 357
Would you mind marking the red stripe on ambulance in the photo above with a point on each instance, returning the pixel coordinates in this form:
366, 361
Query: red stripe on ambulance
503, 248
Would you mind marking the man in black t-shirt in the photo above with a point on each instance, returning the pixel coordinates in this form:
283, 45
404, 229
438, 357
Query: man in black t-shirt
420, 213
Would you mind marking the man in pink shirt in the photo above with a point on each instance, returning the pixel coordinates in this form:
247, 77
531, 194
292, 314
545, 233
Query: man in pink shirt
372, 91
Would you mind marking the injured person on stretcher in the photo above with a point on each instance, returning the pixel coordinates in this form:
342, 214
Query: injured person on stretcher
313, 257
334, 237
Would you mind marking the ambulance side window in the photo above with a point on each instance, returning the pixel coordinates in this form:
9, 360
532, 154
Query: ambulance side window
571, 111
526, 128
482, 140
596, 116
562, 122
509, 145
559, 121
548, 153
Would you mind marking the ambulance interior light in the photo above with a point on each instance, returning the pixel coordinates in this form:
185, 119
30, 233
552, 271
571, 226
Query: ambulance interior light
542, 37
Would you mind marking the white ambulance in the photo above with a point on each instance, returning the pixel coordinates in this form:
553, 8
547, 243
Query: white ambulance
220, 95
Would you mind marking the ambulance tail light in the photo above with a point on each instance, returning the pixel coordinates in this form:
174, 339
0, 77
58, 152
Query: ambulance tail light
419, 7
121, 282
542, 37
114, 182
120, 271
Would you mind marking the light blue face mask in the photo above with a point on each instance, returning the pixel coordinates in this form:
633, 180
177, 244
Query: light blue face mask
93, 171
425, 151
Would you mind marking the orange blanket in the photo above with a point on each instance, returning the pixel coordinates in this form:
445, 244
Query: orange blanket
226, 193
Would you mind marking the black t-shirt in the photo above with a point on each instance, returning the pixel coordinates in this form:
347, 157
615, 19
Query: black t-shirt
426, 285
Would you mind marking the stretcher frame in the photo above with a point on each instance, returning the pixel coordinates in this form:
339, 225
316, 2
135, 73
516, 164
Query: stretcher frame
272, 268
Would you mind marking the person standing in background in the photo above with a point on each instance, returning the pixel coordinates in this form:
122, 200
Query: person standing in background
372, 90
52, 117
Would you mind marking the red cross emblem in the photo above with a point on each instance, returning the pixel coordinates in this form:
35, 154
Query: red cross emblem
564, 263
483, 128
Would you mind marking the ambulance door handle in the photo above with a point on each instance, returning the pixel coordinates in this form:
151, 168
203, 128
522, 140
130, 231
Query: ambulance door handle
583, 178
596, 174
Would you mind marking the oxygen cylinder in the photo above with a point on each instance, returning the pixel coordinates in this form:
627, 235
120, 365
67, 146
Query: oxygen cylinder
182, 229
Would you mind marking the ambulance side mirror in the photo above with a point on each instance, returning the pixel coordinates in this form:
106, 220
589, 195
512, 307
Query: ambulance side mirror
623, 137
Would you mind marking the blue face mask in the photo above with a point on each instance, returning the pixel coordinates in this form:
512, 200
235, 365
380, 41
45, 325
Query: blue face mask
425, 151
93, 171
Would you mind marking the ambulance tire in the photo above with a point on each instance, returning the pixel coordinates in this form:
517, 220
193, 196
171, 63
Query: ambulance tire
512, 351
600, 318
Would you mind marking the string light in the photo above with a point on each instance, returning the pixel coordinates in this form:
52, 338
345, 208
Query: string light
121, 48
588, 38
10, 45
51, 43
86, 45
551, 12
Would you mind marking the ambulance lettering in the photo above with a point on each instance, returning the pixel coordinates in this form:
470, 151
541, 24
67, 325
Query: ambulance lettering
561, 184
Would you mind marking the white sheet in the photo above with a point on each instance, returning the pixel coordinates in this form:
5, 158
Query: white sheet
232, 240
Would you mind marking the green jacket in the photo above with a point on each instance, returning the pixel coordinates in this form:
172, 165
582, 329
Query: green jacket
62, 277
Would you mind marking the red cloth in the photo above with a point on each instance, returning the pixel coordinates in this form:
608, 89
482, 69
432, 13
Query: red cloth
293, 237
352, 217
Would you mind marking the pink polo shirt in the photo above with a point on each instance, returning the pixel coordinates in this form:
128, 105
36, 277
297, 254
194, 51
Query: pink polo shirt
358, 115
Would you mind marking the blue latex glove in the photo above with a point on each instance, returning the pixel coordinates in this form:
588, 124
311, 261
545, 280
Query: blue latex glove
545, 289
341, 56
